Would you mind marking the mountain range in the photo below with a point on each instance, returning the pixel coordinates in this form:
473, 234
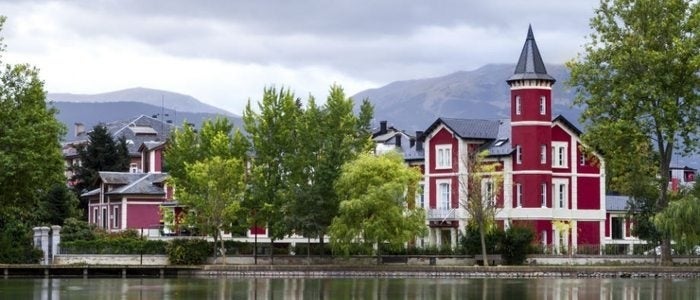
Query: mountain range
483, 93
478, 94
91, 110
408, 105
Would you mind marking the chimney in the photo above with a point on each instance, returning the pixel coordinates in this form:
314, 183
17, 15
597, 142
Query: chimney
79, 129
419, 140
382, 127
398, 140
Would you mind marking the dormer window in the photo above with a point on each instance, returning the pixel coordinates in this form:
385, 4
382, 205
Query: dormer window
500, 142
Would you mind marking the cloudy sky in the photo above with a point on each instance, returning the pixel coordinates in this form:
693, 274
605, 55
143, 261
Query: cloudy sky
226, 52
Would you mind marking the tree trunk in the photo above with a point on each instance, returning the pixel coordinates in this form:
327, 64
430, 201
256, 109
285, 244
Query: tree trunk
483, 244
272, 251
379, 255
308, 250
216, 240
320, 242
223, 248
664, 169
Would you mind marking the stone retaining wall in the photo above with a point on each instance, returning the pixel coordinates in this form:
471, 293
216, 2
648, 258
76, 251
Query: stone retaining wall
404, 271
110, 259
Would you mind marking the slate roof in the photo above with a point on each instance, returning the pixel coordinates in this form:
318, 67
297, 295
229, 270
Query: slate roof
530, 64
150, 145
501, 146
131, 183
616, 203
136, 131
469, 128
568, 124
145, 185
119, 177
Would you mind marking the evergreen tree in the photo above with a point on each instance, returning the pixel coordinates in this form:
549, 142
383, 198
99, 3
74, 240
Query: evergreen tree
100, 153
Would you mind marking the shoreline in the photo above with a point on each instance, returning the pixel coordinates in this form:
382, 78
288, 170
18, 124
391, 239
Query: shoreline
346, 271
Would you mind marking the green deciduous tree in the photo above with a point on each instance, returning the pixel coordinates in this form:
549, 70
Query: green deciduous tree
638, 80
681, 218
377, 204
30, 156
208, 170
275, 142
482, 184
343, 135
213, 191
298, 154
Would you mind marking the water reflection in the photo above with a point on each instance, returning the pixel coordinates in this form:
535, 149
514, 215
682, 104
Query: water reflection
349, 288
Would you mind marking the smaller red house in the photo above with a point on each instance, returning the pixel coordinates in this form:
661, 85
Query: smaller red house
133, 200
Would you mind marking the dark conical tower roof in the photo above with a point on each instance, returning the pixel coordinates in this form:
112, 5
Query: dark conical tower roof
530, 65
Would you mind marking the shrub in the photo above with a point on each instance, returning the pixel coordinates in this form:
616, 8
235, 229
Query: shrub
301, 249
188, 251
74, 230
16, 243
471, 241
238, 248
114, 246
515, 245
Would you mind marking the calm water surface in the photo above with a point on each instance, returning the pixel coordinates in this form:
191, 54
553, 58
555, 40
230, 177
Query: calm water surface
348, 288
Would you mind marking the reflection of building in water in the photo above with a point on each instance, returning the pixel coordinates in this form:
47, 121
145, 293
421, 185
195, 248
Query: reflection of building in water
610, 288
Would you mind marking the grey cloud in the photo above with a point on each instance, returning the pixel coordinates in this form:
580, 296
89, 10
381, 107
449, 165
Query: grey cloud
378, 40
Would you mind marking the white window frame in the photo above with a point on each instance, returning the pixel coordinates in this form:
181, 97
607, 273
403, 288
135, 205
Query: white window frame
95, 214
519, 194
488, 190
441, 202
443, 156
115, 217
543, 194
560, 193
518, 154
582, 159
560, 153
518, 106
543, 105
543, 154
420, 196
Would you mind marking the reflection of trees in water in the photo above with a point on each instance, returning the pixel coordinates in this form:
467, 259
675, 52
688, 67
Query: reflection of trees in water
352, 288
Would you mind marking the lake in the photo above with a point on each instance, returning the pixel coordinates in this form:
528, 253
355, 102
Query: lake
349, 288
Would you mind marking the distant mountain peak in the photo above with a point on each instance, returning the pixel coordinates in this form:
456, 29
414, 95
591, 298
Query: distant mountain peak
480, 93
160, 98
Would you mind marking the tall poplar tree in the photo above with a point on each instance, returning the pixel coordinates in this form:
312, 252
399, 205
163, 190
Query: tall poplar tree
207, 168
344, 135
274, 138
638, 81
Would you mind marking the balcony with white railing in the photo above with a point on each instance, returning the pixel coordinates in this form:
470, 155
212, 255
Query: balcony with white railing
442, 214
